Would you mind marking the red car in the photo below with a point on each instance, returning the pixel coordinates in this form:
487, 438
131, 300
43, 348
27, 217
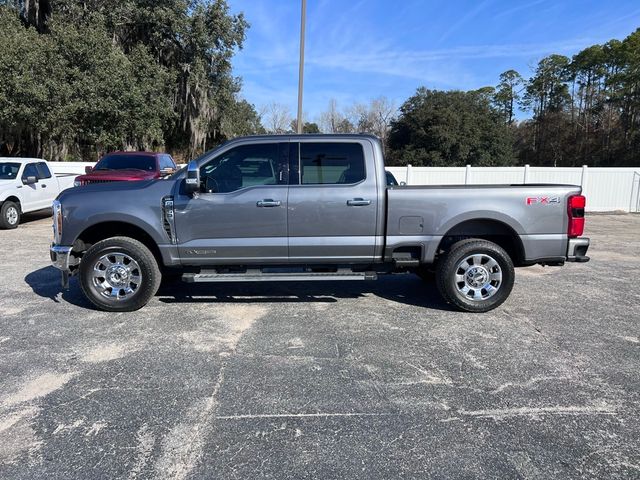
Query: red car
128, 166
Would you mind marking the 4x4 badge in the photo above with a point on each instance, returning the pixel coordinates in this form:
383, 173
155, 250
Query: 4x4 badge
542, 200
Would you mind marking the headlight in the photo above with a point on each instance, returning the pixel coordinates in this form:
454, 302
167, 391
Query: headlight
77, 183
57, 221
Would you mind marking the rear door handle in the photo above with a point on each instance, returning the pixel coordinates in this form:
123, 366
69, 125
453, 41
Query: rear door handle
44, 186
358, 202
267, 202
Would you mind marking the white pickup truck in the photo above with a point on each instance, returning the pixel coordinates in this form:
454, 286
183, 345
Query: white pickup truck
27, 185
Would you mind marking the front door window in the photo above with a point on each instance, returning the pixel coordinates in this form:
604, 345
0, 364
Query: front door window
242, 167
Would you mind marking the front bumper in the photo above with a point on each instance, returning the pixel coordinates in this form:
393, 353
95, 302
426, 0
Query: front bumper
62, 259
577, 250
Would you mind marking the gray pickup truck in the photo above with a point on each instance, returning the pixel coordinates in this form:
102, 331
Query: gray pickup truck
308, 207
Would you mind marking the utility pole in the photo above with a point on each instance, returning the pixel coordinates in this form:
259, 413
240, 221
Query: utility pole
301, 71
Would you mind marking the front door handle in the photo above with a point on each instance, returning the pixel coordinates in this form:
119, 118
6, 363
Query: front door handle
44, 186
267, 202
358, 202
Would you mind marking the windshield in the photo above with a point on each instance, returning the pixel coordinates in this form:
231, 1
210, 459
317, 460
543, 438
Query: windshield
9, 171
122, 162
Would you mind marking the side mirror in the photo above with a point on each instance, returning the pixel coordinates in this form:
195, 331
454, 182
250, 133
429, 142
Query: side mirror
30, 180
88, 169
192, 182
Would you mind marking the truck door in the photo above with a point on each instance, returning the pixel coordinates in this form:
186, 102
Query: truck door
33, 196
332, 202
48, 186
240, 214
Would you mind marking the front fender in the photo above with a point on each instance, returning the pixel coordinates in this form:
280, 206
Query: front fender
6, 194
137, 205
69, 237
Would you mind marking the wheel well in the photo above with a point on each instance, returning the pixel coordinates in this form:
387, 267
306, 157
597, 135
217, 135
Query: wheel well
492, 230
14, 200
102, 231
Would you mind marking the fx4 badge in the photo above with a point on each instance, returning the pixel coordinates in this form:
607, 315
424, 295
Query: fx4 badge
542, 200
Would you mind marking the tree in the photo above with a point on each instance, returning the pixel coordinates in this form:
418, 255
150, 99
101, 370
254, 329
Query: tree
79, 93
598, 122
547, 95
307, 127
240, 118
625, 80
277, 118
547, 90
375, 117
137, 74
332, 120
455, 128
507, 94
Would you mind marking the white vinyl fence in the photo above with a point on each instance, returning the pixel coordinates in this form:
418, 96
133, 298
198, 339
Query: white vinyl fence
607, 189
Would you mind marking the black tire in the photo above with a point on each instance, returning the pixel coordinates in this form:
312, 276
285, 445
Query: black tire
9, 215
452, 290
144, 265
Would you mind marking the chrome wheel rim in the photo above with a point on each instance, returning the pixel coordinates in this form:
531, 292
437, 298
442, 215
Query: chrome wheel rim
478, 277
116, 276
12, 215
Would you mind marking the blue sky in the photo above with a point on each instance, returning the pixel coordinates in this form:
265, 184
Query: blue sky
358, 50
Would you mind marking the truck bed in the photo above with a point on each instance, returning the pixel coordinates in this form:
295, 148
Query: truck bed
425, 214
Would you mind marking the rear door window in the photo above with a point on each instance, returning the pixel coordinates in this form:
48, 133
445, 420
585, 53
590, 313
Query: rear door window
43, 171
338, 163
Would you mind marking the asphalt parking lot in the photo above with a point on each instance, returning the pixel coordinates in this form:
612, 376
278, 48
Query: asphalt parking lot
324, 380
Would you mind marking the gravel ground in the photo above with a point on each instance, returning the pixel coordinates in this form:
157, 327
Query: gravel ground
324, 380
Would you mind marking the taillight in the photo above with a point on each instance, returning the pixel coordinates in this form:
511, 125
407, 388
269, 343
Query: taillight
575, 208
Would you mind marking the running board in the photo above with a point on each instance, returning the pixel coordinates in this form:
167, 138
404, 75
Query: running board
402, 263
276, 277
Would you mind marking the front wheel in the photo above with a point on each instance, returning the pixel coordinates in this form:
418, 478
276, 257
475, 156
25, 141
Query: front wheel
9, 215
119, 274
475, 275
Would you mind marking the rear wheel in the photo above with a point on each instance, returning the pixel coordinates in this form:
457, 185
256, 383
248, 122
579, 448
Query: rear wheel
475, 275
9, 215
119, 274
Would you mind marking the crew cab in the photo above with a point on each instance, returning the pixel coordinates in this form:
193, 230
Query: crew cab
128, 167
309, 207
27, 185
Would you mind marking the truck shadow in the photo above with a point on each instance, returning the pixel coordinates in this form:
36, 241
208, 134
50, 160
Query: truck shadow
35, 216
45, 282
407, 289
